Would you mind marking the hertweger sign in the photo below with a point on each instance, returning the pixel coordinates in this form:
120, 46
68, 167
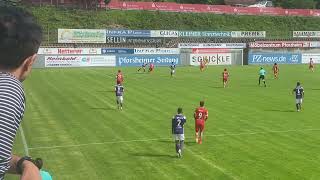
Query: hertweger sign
69, 51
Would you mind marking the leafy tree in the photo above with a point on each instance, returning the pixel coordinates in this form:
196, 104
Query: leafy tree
296, 4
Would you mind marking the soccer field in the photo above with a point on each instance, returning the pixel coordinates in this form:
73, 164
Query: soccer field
252, 133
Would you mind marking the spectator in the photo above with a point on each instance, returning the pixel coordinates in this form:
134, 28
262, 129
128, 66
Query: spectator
20, 38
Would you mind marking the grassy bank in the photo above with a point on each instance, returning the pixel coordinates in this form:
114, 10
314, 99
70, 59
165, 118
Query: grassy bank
277, 27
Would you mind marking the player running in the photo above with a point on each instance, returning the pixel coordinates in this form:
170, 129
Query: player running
202, 65
225, 76
311, 65
151, 67
119, 94
172, 67
275, 69
143, 67
119, 77
262, 74
200, 116
178, 122
299, 95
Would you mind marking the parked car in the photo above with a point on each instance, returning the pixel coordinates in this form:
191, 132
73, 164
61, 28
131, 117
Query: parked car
262, 4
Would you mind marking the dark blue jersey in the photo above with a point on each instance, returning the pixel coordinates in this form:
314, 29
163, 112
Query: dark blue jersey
178, 122
299, 92
172, 66
119, 90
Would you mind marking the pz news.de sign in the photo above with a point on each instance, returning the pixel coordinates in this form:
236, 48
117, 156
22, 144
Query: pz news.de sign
138, 60
270, 58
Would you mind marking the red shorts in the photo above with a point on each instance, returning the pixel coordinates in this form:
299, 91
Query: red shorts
199, 125
119, 82
150, 69
225, 79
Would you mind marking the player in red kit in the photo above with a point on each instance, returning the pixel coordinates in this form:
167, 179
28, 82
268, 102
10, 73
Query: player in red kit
151, 67
119, 77
225, 77
202, 65
275, 69
200, 116
311, 65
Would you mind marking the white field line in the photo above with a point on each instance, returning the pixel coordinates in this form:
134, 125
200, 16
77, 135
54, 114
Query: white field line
24, 142
210, 163
157, 139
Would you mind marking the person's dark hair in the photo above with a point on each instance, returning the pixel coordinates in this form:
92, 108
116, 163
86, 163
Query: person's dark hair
201, 103
298, 83
38, 162
179, 110
20, 36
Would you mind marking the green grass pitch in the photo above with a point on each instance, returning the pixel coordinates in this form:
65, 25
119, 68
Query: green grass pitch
252, 133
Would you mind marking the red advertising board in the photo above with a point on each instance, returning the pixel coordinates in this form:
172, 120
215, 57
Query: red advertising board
246, 11
272, 11
297, 12
217, 9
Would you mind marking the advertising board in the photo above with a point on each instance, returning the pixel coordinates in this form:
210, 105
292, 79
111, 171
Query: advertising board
81, 36
137, 60
79, 61
271, 58
211, 59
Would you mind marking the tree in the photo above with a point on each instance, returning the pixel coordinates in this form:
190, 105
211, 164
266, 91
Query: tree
295, 4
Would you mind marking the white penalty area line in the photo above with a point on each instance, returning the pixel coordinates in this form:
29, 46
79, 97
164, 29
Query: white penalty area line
24, 142
156, 139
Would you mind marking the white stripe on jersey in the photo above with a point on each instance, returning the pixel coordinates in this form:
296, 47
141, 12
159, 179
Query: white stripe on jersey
12, 105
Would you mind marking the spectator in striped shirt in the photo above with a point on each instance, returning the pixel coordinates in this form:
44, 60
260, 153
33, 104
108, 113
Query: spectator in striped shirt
20, 38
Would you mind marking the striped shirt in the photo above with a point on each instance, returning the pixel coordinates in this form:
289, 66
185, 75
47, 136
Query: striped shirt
12, 105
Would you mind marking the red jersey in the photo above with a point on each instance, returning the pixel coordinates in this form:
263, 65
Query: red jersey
151, 66
201, 113
202, 63
119, 78
225, 74
275, 68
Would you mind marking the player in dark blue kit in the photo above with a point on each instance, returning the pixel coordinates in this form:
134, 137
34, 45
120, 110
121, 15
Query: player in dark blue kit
119, 94
178, 122
143, 66
299, 95
172, 67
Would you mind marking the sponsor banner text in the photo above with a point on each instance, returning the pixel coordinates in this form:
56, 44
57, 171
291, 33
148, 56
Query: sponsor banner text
211, 59
137, 60
271, 58
81, 36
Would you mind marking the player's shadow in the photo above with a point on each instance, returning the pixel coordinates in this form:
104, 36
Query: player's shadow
188, 143
105, 91
153, 155
279, 110
216, 87
103, 108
